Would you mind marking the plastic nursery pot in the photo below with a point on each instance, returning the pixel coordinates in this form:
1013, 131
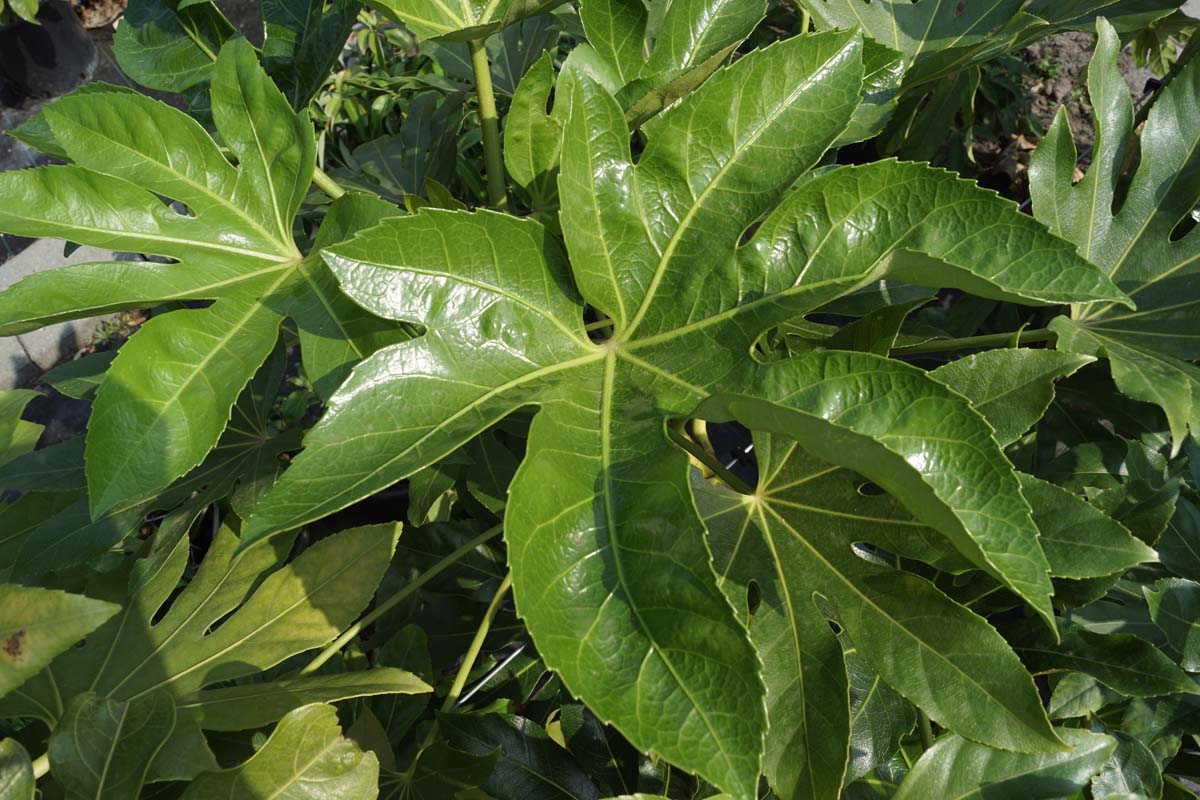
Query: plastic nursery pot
49, 59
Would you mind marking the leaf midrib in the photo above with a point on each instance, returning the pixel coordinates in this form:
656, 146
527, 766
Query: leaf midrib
606, 402
735, 158
850, 585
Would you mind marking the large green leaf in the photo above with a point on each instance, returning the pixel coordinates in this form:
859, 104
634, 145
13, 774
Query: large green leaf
957, 768
266, 613
37, 624
104, 748
604, 542
1133, 237
306, 758
167, 397
795, 539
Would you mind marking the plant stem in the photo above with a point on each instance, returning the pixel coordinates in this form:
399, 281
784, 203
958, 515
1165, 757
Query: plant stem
926, 729
679, 435
394, 600
41, 766
485, 625
327, 184
598, 324
973, 342
489, 122
804, 20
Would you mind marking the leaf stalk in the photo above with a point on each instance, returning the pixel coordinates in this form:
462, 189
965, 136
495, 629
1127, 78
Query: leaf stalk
485, 625
327, 184
975, 342
489, 122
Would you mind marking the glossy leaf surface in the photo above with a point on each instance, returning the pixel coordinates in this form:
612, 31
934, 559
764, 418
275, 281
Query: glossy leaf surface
795, 538
602, 535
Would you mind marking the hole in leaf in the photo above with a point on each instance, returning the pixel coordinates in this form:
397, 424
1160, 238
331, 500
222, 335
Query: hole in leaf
833, 626
868, 489
1185, 225
733, 447
597, 324
753, 597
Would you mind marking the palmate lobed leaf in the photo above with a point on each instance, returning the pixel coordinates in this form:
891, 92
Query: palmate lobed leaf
611, 571
167, 396
795, 539
1135, 240
266, 612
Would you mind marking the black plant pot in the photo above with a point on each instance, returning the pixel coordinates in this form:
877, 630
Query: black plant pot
49, 59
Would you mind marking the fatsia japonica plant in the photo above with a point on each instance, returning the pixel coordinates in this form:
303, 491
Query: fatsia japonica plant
954, 554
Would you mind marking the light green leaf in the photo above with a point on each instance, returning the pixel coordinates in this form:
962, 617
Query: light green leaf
37, 624
1076, 695
1079, 540
604, 543
253, 705
103, 747
167, 397
533, 138
1011, 387
957, 768
1175, 608
1133, 241
16, 772
306, 758
462, 20
795, 537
